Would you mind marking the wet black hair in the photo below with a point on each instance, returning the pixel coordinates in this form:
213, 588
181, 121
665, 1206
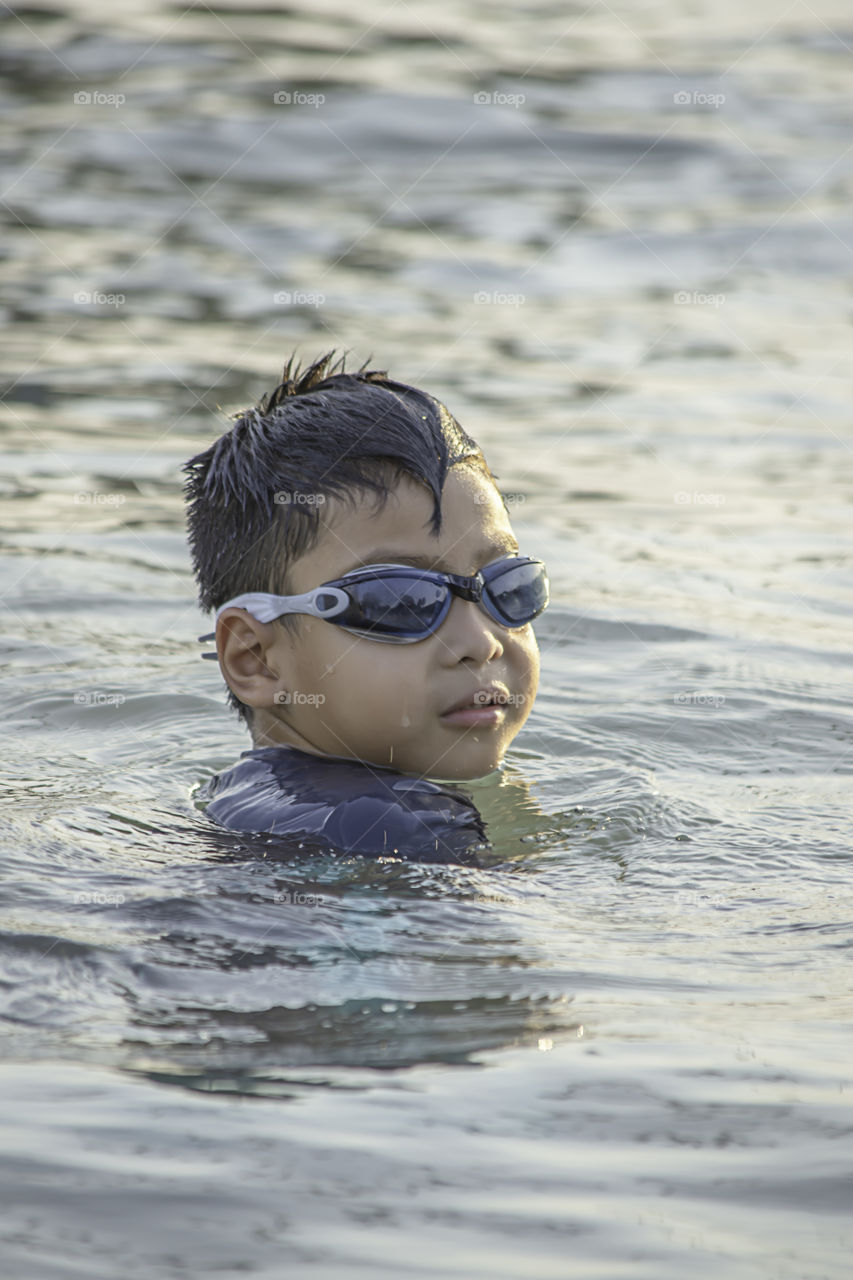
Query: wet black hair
253, 496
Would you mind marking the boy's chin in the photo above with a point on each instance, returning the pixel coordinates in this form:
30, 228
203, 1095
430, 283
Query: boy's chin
464, 771
467, 778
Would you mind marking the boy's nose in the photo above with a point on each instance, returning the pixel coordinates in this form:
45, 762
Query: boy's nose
470, 633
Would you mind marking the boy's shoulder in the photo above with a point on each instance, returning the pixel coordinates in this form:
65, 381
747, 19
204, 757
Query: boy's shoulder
349, 805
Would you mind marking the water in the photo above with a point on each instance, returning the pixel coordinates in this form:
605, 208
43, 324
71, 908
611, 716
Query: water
622, 1049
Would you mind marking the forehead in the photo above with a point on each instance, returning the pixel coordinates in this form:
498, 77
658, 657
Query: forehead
475, 529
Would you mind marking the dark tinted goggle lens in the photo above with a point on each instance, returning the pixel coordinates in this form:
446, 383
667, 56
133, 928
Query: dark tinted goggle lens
517, 593
394, 605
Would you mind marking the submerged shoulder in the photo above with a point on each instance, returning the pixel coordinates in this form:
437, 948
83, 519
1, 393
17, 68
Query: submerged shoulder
353, 806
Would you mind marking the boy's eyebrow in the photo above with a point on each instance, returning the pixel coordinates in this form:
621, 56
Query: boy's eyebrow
388, 555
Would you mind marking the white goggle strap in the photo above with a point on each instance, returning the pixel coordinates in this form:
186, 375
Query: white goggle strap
322, 602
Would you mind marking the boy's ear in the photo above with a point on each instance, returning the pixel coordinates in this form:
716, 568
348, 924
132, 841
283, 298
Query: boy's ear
245, 659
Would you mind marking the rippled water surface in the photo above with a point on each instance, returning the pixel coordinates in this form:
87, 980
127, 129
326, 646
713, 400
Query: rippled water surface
618, 243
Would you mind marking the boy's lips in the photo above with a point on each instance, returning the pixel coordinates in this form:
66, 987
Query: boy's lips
484, 705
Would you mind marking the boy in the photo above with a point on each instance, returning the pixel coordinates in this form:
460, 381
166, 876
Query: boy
372, 614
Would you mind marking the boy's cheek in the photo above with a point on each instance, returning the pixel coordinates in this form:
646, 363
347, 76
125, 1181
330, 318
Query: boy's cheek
376, 683
526, 659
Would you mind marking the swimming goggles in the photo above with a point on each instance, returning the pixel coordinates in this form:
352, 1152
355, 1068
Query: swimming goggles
399, 605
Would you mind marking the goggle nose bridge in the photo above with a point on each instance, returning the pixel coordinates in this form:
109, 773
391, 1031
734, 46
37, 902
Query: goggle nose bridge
466, 588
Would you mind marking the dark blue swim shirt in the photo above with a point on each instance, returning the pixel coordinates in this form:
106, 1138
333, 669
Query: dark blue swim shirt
345, 805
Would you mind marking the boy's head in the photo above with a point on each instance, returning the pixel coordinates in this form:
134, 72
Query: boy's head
331, 472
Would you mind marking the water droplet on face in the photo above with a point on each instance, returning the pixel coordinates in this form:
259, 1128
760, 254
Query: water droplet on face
405, 722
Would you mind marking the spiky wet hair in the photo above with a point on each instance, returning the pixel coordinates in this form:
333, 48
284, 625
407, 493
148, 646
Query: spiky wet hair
321, 433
